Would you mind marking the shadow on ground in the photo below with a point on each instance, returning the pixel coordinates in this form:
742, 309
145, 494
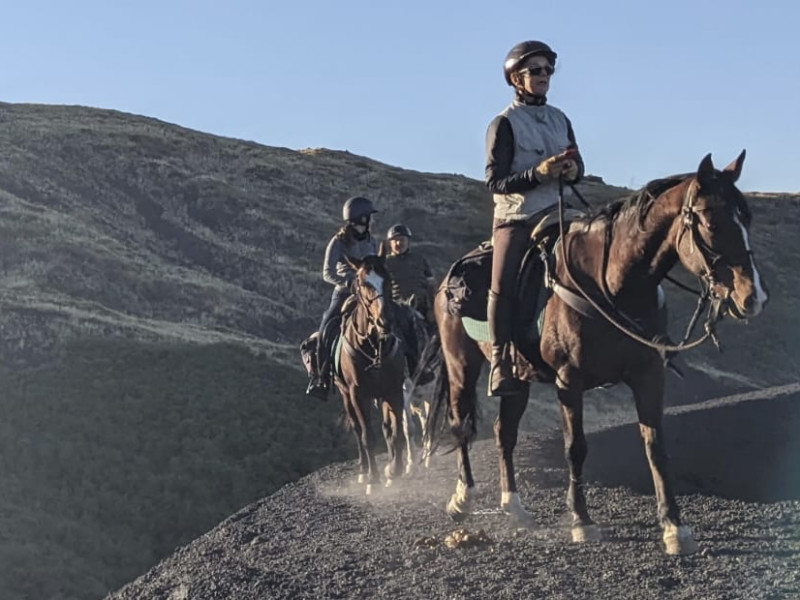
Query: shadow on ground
746, 451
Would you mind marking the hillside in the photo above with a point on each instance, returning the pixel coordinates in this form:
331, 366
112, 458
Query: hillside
154, 285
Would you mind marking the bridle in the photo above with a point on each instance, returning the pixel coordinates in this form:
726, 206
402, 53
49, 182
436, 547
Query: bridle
691, 222
371, 337
707, 297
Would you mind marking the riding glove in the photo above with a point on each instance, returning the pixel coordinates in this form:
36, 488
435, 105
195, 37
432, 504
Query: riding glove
549, 168
570, 171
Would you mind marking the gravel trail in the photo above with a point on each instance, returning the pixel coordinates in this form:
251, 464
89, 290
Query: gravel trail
737, 475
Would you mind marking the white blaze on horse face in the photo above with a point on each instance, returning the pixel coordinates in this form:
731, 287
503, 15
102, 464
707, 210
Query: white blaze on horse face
376, 281
761, 294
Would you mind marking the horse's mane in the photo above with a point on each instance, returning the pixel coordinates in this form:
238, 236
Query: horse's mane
641, 200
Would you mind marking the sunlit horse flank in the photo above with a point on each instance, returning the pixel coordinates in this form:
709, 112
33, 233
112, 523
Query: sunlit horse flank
700, 220
371, 371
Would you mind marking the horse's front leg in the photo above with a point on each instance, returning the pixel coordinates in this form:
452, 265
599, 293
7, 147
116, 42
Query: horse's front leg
463, 405
459, 507
570, 397
409, 430
648, 392
366, 439
506, 430
394, 435
355, 422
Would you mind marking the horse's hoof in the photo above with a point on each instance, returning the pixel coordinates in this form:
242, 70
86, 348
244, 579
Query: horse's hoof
511, 505
586, 533
388, 483
455, 512
409, 468
460, 505
362, 478
678, 540
369, 489
389, 472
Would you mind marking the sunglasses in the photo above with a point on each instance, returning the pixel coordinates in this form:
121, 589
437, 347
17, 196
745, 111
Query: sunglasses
545, 70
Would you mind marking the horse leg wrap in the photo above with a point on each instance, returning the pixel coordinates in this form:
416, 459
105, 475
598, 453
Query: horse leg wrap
512, 506
678, 539
460, 504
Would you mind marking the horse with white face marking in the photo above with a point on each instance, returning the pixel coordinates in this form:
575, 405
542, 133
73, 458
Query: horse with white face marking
599, 327
372, 369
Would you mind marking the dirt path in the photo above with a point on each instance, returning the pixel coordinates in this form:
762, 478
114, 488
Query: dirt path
736, 473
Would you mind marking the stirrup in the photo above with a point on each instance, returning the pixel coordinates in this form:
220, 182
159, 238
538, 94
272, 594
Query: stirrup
317, 388
506, 383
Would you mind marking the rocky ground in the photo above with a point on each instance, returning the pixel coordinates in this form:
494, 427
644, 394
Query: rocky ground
737, 476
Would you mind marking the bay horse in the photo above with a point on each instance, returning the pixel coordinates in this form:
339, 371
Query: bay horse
614, 259
372, 369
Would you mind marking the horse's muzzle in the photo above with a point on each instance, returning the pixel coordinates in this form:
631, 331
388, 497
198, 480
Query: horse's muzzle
751, 307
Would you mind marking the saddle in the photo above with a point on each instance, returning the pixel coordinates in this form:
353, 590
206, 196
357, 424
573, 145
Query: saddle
329, 339
467, 287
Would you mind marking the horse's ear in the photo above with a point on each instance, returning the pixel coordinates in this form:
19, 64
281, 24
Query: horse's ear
705, 172
735, 168
353, 263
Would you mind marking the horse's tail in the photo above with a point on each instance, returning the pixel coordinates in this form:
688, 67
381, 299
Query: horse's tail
436, 420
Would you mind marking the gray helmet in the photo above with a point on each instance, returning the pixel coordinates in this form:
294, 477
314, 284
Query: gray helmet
522, 51
357, 207
397, 230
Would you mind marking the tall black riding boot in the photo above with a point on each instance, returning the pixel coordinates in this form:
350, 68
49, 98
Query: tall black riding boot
320, 380
501, 374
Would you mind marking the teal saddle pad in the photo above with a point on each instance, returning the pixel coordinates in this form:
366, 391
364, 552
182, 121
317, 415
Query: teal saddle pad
479, 330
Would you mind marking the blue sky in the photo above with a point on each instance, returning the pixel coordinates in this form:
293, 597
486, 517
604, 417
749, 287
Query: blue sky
650, 87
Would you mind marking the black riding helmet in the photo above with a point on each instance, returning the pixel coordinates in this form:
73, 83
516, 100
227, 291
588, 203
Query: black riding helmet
357, 207
397, 230
522, 51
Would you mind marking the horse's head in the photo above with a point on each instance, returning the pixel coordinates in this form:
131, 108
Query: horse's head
713, 242
372, 288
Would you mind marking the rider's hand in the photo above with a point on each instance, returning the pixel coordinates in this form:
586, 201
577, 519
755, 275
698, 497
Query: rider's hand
570, 171
549, 168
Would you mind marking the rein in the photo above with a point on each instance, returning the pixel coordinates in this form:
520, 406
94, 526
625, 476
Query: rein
374, 358
717, 304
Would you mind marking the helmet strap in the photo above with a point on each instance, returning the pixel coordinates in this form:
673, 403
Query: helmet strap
360, 236
529, 99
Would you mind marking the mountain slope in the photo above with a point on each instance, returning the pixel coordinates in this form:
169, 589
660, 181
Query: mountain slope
155, 283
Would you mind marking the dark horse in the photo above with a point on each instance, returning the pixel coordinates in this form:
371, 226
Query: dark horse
371, 369
614, 259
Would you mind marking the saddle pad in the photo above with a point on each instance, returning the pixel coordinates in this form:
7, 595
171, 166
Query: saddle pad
479, 330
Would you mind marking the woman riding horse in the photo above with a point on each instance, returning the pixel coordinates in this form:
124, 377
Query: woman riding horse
353, 240
598, 325
529, 145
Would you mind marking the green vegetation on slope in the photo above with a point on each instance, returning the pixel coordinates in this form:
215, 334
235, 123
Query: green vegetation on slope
118, 451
